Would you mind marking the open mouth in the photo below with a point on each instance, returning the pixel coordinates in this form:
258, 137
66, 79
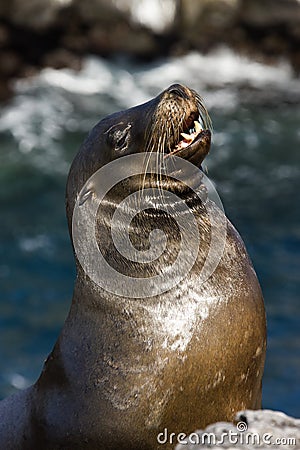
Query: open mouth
194, 145
190, 137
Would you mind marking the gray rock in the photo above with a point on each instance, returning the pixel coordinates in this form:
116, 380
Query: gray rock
36, 14
206, 22
61, 58
265, 13
215, 13
252, 429
98, 11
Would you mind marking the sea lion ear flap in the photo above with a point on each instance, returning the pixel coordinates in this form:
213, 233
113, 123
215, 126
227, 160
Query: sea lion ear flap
118, 137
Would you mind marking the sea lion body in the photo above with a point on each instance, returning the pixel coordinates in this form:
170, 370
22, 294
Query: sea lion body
125, 369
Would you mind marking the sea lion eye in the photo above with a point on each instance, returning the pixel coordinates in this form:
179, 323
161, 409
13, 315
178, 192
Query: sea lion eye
119, 138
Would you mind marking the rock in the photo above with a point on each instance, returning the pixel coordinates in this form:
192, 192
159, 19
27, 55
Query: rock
35, 14
274, 44
217, 13
295, 61
98, 11
4, 36
135, 42
6, 90
295, 31
252, 429
265, 14
203, 23
10, 63
75, 42
272, 31
60, 58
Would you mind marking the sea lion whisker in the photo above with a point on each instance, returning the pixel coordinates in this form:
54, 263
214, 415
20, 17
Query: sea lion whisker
145, 169
177, 139
158, 174
148, 150
203, 113
160, 150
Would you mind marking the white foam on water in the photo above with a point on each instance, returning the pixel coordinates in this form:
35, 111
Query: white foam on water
56, 101
127, 83
19, 381
35, 243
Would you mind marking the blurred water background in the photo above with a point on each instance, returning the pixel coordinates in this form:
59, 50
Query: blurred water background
254, 162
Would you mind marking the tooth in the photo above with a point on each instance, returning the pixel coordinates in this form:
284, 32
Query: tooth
197, 126
187, 137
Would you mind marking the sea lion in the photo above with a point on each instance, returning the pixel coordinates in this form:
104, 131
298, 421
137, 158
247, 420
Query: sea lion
127, 368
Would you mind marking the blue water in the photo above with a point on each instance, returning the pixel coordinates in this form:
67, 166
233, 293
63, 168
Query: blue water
254, 162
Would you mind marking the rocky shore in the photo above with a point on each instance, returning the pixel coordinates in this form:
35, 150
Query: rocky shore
58, 33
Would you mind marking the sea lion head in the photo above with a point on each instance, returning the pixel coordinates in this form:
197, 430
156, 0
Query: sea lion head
175, 123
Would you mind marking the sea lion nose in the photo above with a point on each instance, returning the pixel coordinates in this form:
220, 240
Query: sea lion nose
179, 90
